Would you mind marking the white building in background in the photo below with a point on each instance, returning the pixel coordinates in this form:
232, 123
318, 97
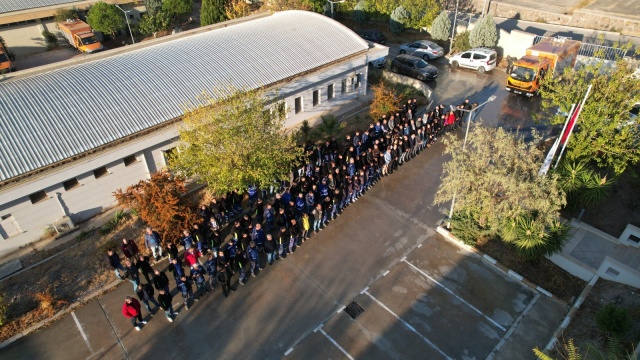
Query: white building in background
72, 134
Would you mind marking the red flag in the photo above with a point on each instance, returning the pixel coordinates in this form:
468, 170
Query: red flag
572, 122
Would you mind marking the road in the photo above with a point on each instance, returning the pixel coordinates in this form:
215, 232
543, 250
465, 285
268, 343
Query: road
420, 294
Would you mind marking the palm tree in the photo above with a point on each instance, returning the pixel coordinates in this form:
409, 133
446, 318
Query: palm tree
330, 126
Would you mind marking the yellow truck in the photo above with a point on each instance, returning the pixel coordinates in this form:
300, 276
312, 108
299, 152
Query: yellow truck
548, 57
6, 65
80, 36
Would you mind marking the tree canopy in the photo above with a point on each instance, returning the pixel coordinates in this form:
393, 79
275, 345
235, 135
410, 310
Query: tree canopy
399, 18
179, 10
233, 143
385, 101
151, 24
213, 11
106, 18
605, 132
441, 28
485, 33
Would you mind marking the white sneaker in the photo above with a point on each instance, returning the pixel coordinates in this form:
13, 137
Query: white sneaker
137, 328
170, 319
144, 322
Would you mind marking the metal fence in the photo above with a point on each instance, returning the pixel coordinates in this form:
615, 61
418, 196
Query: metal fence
591, 50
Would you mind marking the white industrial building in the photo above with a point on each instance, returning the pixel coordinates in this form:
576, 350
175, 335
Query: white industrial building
72, 134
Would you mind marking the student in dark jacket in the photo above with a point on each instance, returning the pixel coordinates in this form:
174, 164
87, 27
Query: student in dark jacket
165, 300
129, 250
270, 249
224, 279
176, 269
160, 281
144, 267
114, 261
172, 250
145, 294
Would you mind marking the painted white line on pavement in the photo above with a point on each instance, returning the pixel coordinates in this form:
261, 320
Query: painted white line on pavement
342, 308
364, 290
385, 273
84, 336
288, 352
513, 327
456, 296
337, 345
409, 326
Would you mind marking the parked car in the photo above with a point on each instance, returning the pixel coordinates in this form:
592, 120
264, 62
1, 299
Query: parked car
480, 59
378, 63
414, 67
373, 35
428, 50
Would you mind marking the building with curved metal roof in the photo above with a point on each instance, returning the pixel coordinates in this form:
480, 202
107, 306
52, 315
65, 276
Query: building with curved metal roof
64, 129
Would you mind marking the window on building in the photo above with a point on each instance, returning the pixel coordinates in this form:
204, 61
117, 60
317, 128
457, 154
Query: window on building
100, 172
358, 80
330, 92
316, 98
130, 160
298, 105
70, 184
38, 197
8, 226
344, 87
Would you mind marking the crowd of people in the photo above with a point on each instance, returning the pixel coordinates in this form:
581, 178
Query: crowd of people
261, 231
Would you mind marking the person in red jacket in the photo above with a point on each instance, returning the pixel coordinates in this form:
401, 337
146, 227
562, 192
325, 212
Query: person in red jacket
131, 310
191, 256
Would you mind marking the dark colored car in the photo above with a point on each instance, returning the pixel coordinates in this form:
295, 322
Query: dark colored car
414, 67
373, 35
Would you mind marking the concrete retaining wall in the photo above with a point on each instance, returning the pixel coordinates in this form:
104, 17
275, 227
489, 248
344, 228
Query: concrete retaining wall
514, 43
417, 84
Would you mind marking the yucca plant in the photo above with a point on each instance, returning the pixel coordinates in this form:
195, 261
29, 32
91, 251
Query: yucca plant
595, 188
532, 238
572, 352
330, 126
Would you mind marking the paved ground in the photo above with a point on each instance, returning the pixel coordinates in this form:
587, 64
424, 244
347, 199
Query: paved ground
281, 307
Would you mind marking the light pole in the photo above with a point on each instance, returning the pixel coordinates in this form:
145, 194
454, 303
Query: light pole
133, 41
464, 144
453, 28
334, 2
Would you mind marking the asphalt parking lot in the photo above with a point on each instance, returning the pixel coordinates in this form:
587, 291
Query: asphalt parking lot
439, 302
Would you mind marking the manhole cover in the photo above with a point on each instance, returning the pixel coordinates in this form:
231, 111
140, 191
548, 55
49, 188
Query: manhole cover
354, 309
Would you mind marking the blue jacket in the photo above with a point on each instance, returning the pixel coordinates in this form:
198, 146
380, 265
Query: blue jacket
258, 236
252, 254
152, 240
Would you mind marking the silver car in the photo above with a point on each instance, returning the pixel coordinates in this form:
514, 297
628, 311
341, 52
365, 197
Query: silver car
428, 50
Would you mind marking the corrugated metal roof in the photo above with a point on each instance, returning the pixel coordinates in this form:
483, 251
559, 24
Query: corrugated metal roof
17, 5
53, 116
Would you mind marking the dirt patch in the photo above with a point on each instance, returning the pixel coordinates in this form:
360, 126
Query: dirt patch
583, 328
622, 207
38, 293
543, 272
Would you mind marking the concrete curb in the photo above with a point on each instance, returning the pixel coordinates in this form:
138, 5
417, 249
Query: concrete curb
83, 300
567, 319
495, 264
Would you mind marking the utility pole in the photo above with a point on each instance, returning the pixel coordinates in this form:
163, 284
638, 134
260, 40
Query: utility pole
126, 17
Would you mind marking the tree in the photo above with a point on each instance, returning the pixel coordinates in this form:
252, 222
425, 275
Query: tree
330, 126
360, 13
237, 9
51, 39
152, 24
212, 11
399, 18
282, 5
495, 182
178, 10
385, 101
160, 202
604, 132
105, 18
423, 12
461, 42
236, 142
441, 28
152, 6
63, 15
484, 33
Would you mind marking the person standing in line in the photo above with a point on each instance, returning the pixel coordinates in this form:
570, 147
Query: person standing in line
145, 294
184, 286
176, 269
134, 276
129, 250
160, 280
153, 242
197, 274
294, 231
144, 267
317, 218
253, 258
114, 261
270, 249
165, 299
306, 225
131, 310
224, 279
211, 267
283, 242
172, 250
186, 240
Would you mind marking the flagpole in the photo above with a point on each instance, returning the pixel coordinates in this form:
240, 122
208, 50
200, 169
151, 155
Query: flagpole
554, 148
574, 125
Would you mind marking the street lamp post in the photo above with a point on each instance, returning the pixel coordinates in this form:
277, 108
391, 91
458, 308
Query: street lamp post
453, 28
464, 143
133, 41
334, 2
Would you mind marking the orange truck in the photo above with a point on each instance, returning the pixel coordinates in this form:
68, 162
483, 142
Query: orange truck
6, 65
80, 36
548, 57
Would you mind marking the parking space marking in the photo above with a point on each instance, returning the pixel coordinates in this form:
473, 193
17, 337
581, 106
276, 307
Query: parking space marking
513, 327
319, 328
84, 336
407, 325
453, 294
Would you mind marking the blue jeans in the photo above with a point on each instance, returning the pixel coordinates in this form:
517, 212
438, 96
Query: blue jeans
169, 312
253, 265
153, 301
316, 224
271, 256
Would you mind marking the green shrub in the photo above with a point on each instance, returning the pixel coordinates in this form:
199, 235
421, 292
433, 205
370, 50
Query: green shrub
467, 229
3, 309
50, 39
613, 320
399, 18
461, 42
